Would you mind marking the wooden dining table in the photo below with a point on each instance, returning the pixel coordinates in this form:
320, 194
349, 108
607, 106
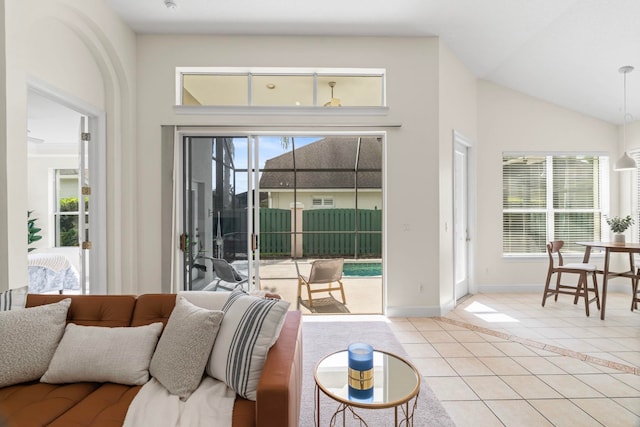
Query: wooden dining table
609, 248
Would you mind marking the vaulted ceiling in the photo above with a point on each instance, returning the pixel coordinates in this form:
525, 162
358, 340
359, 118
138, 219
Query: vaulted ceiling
567, 52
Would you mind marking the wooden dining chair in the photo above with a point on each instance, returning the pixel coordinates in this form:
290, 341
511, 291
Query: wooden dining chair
579, 290
635, 292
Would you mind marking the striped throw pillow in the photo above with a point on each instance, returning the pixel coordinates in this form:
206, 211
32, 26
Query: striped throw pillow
250, 326
14, 299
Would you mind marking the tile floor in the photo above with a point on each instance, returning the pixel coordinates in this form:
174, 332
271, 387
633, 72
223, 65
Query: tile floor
503, 360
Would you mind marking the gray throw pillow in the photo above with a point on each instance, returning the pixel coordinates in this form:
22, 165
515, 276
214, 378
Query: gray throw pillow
102, 354
184, 347
29, 339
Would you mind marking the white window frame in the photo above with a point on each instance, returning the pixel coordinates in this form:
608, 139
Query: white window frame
326, 202
550, 210
56, 212
179, 108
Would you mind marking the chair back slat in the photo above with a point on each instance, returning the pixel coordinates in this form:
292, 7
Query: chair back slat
553, 250
326, 270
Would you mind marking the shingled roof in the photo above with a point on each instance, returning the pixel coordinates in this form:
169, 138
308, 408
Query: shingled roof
327, 164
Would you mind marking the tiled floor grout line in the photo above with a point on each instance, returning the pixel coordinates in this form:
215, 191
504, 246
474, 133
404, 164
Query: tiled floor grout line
547, 347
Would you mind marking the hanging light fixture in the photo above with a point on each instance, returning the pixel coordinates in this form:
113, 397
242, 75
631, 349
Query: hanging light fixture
625, 162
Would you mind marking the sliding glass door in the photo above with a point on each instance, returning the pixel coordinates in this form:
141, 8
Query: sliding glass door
269, 205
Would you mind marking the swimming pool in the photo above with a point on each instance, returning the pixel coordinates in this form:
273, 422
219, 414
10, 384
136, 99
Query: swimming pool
363, 269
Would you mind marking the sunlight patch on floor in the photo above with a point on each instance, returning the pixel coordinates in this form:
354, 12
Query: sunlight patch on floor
488, 314
477, 307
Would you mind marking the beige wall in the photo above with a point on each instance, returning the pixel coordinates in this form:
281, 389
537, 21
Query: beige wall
5, 248
341, 200
412, 82
628, 200
511, 121
457, 101
83, 50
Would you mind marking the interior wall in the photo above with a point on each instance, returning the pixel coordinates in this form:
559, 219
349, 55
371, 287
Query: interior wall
457, 100
411, 168
5, 276
85, 50
512, 121
628, 200
40, 197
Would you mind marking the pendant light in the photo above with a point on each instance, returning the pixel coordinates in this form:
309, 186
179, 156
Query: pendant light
625, 162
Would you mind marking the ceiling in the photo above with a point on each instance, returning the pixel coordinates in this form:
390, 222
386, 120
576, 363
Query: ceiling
51, 123
567, 52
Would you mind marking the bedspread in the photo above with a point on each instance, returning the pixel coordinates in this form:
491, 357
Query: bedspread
51, 272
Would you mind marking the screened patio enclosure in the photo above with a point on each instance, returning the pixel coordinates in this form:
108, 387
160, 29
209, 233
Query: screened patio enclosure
267, 203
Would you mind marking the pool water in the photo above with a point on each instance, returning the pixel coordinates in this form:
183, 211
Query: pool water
362, 269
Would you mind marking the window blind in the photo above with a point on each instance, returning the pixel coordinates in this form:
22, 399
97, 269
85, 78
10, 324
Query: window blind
551, 197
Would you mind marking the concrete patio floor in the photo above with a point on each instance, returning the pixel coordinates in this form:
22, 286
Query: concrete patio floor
363, 294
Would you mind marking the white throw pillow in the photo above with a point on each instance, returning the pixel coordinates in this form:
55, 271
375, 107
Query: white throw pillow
184, 347
250, 326
14, 299
29, 339
118, 355
205, 299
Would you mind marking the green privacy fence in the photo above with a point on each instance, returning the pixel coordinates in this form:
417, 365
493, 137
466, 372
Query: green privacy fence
324, 232
275, 232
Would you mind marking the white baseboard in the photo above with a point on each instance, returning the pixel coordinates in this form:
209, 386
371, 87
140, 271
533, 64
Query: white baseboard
423, 311
435, 311
538, 288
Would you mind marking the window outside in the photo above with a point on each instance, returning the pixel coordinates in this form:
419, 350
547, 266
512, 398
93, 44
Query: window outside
66, 212
552, 197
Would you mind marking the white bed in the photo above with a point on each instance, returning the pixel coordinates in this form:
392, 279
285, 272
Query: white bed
51, 273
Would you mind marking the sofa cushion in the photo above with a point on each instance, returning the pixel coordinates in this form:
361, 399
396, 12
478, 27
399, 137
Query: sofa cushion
151, 308
101, 354
250, 327
29, 339
14, 299
38, 404
92, 310
106, 407
184, 347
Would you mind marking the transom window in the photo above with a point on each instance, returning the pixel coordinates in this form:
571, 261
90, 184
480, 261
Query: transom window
280, 87
552, 197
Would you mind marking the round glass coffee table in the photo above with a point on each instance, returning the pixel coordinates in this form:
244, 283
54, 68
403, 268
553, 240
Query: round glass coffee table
396, 382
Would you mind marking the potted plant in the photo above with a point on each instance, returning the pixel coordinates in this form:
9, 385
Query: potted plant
619, 225
32, 230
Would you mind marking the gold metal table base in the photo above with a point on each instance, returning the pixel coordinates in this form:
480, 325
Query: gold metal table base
406, 420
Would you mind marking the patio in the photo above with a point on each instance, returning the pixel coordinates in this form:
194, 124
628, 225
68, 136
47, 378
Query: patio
363, 294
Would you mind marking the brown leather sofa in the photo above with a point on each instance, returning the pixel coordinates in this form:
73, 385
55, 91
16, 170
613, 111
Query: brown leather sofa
106, 404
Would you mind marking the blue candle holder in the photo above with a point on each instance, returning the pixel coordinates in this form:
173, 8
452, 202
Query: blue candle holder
360, 372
